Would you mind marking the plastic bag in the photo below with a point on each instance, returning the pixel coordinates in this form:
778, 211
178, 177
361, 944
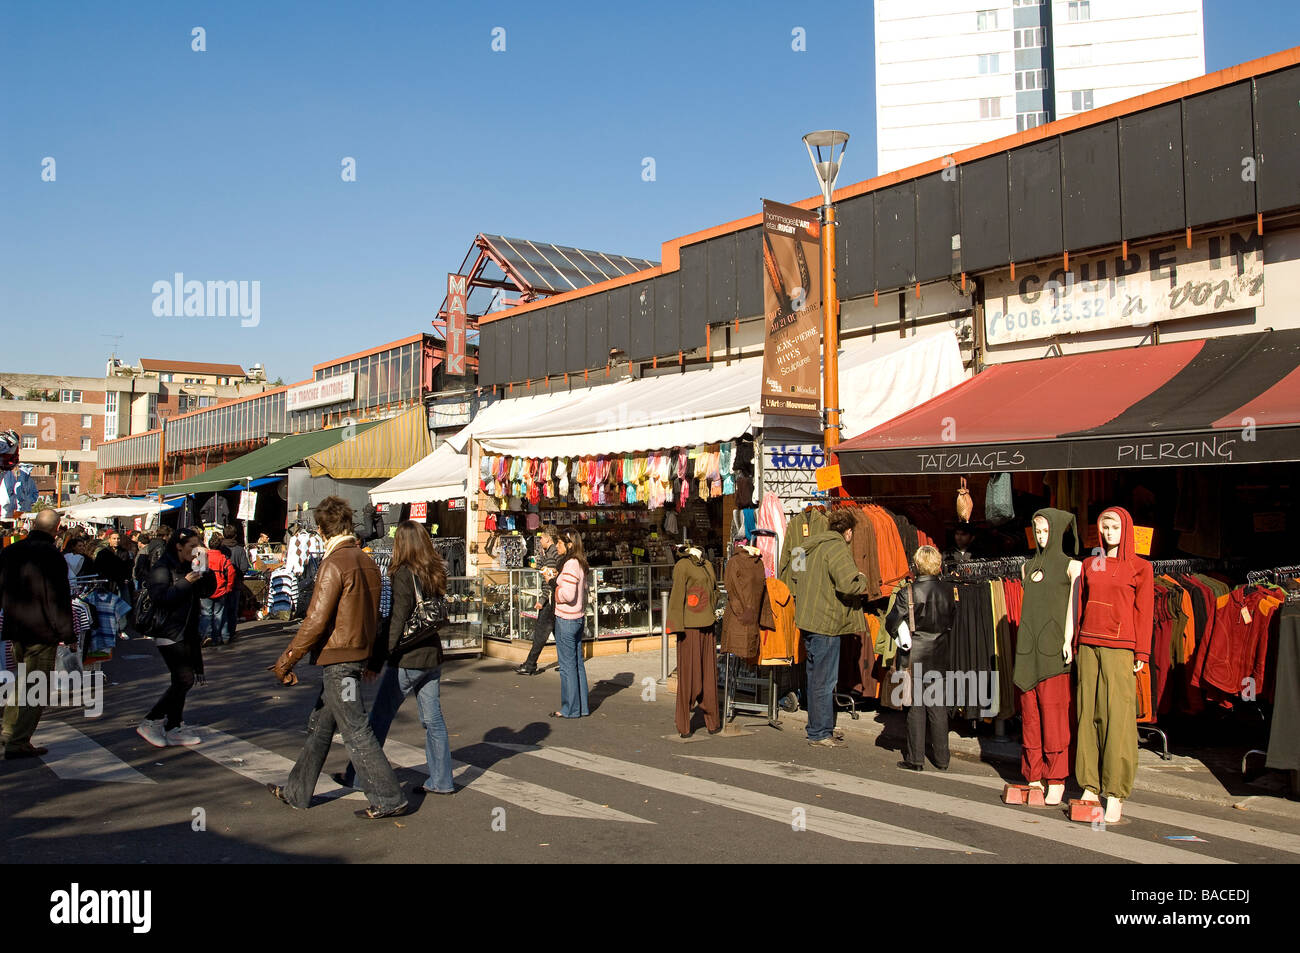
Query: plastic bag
66, 659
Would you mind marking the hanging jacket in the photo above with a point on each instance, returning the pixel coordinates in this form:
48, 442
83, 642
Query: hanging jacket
693, 602
1040, 640
780, 645
799, 532
747, 607
1118, 596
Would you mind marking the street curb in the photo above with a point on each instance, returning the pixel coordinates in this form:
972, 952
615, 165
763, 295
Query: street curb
1149, 779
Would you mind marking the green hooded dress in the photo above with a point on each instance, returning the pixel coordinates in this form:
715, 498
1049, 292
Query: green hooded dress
1047, 601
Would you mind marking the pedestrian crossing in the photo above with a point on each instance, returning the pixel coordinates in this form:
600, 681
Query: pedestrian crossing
74, 755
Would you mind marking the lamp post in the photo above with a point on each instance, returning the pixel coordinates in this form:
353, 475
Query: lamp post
830, 145
58, 480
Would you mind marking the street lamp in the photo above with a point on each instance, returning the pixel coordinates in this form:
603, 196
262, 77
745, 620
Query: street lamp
830, 145
58, 480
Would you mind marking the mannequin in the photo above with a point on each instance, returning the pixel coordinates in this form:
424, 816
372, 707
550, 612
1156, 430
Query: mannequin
1114, 644
1044, 651
692, 607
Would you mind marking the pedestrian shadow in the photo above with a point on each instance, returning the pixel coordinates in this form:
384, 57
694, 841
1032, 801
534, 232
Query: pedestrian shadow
487, 753
607, 688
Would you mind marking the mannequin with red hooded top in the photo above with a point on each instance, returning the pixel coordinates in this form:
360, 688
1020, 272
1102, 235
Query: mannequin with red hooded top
1114, 642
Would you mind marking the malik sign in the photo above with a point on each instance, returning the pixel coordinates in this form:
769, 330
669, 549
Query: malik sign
457, 297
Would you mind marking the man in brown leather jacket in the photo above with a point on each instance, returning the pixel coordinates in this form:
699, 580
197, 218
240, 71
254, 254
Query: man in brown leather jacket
337, 634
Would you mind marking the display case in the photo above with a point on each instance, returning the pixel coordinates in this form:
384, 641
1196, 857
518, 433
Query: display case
462, 633
661, 584
525, 591
622, 601
496, 603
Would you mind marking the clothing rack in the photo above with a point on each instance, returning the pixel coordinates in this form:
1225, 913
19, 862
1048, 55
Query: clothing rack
1159, 566
1256, 576
827, 498
983, 570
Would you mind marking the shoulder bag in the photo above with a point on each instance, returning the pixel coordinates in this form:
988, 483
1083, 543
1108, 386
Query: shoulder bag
421, 630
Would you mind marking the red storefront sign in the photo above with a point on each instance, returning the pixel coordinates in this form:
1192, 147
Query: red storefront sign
457, 296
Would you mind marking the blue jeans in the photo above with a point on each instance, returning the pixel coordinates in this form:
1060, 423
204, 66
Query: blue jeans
232, 611
573, 668
394, 686
212, 619
339, 707
823, 655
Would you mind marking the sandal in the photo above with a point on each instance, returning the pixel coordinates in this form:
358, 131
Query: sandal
556, 714
278, 793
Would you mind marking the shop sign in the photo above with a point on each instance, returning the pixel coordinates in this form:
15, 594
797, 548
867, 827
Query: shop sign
456, 503
457, 296
1158, 282
792, 309
247, 505
419, 512
795, 457
450, 413
330, 390
828, 478
139, 523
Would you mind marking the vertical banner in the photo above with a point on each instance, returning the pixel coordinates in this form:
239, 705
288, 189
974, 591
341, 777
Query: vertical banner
139, 523
247, 505
792, 307
457, 297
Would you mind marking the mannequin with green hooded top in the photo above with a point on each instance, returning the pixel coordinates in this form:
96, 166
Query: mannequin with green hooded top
1045, 650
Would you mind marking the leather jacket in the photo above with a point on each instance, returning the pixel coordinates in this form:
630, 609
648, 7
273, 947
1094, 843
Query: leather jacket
932, 606
343, 616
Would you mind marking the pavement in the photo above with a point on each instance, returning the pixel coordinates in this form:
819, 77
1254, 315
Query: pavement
619, 785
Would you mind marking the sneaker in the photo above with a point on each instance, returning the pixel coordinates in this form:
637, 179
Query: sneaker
526, 669
182, 736
831, 742
152, 732
790, 702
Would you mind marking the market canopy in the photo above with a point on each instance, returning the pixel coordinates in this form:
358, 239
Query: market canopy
111, 508
275, 456
721, 402
439, 476
1224, 400
381, 452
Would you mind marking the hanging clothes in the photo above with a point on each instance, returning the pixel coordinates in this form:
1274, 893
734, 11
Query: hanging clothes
747, 609
1284, 731
780, 644
803, 526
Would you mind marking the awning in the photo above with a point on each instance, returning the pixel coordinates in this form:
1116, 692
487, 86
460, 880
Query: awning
112, 508
254, 484
271, 458
1223, 400
381, 453
721, 402
439, 476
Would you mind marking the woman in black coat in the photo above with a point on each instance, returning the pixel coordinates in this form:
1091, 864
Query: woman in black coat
175, 590
923, 645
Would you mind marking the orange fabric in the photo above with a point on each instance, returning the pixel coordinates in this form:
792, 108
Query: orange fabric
780, 645
889, 550
1145, 714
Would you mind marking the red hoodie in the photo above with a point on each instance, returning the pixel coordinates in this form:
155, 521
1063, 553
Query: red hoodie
1118, 596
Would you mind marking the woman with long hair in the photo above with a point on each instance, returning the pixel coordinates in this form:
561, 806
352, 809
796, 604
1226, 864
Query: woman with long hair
417, 574
175, 589
570, 613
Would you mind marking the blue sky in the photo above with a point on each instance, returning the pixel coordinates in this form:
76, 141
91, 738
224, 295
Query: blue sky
225, 164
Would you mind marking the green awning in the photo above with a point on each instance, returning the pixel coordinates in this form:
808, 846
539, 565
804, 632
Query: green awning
275, 456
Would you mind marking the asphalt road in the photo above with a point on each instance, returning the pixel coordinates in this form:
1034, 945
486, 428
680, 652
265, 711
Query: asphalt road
618, 786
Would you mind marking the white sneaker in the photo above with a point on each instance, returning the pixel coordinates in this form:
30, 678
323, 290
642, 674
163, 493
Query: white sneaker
152, 732
182, 736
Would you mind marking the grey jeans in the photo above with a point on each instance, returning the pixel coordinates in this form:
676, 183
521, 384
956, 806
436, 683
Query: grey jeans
339, 707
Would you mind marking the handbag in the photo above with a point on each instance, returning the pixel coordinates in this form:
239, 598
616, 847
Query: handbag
965, 505
421, 630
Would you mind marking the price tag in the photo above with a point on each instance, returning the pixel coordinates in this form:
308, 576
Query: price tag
592, 521
654, 535
638, 551
1245, 614
1142, 537
828, 478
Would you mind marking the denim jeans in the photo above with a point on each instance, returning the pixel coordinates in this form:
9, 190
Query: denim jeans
573, 668
394, 686
212, 619
232, 612
543, 628
823, 655
339, 707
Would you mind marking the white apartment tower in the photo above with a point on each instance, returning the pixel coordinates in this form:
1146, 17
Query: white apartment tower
951, 74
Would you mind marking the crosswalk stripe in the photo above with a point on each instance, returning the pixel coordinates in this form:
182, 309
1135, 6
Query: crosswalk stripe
258, 764
1038, 825
74, 756
525, 794
844, 827
1233, 830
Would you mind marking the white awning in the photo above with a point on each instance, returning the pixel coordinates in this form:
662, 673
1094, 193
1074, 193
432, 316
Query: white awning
878, 380
109, 508
439, 476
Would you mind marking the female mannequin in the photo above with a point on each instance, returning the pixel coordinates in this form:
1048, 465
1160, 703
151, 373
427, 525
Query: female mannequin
692, 606
1114, 644
1044, 650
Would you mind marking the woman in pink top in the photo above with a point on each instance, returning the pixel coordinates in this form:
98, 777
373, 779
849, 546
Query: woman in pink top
570, 612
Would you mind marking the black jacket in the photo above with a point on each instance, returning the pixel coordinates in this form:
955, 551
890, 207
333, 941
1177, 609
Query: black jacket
933, 608
36, 596
404, 602
113, 565
176, 602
